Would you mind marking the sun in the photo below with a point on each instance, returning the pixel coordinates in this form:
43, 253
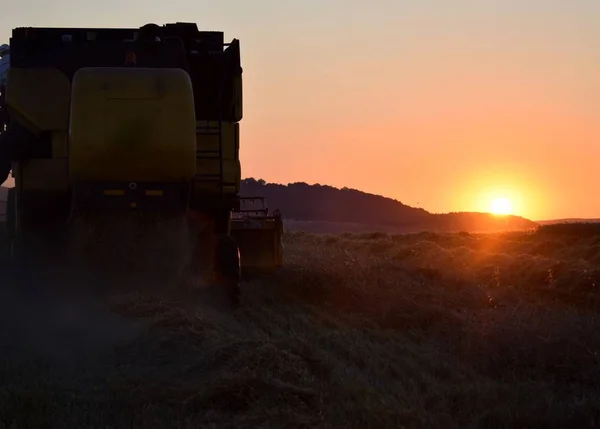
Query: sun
501, 206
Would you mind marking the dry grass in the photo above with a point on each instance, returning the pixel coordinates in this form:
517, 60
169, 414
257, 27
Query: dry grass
373, 330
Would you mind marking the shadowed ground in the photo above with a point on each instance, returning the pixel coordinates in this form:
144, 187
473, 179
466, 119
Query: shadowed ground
423, 330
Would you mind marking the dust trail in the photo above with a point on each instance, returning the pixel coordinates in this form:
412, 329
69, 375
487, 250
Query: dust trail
73, 305
62, 310
59, 330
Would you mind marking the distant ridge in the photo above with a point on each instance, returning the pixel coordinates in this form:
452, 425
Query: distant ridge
301, 203
326, 209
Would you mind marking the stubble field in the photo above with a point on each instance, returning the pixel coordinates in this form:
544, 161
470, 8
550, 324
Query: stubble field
373, 330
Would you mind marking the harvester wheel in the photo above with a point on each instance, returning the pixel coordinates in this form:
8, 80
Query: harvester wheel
228, 267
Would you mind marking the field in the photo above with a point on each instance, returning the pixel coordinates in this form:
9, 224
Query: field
356, 331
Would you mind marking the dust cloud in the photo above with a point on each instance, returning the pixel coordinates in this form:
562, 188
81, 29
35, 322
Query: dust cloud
64, 310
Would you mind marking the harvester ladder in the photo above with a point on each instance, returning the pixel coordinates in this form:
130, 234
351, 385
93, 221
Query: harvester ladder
209, 154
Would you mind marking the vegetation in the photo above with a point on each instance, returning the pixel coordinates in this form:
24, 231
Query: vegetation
578, 229
373, 330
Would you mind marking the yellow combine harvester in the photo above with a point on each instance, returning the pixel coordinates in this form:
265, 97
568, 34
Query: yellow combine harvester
120, 120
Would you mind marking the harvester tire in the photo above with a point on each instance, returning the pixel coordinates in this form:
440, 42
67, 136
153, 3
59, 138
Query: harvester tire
228, 267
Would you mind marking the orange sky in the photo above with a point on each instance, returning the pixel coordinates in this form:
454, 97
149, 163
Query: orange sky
442, 105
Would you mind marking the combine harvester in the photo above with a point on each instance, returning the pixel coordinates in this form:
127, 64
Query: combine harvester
140, 122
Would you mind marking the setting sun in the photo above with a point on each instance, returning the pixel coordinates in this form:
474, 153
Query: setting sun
501, 206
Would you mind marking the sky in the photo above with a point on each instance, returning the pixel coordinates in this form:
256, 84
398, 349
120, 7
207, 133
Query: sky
444, 105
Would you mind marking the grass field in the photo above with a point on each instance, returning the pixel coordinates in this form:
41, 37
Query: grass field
356, 331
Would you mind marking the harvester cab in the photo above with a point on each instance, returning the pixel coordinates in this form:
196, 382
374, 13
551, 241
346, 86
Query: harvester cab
143, 120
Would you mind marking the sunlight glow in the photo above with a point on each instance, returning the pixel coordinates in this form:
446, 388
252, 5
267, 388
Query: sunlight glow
501, 206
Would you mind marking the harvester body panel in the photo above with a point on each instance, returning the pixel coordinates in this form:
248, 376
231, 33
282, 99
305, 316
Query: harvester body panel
132, 125
39, 98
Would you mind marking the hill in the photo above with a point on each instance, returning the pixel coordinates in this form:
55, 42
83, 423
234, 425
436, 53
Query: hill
316, 208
